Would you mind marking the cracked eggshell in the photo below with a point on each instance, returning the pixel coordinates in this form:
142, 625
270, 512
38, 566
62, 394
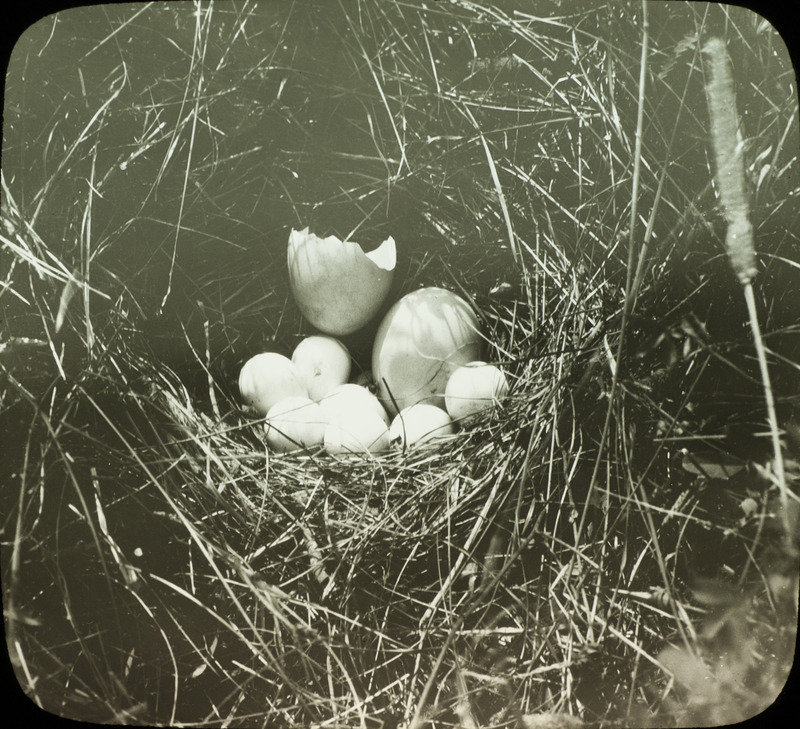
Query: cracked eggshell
474, 387
267, 378
418, 424
419, 343
337, 286
293, 423
323, 364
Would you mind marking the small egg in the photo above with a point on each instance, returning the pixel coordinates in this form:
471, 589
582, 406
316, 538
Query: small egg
322, 363
359, 431
474, 387
348, 397
268, 378
293, 423
419, 423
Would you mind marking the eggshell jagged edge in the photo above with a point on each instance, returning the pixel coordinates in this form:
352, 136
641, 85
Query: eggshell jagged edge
379, 260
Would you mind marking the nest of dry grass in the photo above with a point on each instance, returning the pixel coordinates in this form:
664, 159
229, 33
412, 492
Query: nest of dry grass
607, 541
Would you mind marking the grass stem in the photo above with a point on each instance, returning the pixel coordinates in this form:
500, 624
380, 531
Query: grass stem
731, 184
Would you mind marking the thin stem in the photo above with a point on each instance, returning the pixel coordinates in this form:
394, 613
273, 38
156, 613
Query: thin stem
772, 417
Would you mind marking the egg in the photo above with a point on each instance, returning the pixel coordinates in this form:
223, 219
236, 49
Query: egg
419, 343
473, 388
356, 432
337, 286
419, 423
267, 378
323, 363
293, 423
351, 397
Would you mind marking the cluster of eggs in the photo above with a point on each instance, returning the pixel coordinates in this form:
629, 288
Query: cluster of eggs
425, 359
308, 401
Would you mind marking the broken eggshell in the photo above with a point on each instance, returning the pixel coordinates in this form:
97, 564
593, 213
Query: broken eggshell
337, 286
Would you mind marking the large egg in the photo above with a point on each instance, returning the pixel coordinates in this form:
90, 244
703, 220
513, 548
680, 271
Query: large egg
475, 387
421, 340
293, 423
418, 424
268, 378
337, 286
323, 364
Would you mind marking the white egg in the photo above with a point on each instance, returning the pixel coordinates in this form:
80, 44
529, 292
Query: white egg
293, 423
268, 378
359, 431
474, 387
323, 363
418, 424
348, 397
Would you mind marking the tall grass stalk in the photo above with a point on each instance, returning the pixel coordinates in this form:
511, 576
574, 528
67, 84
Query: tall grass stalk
728, 153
